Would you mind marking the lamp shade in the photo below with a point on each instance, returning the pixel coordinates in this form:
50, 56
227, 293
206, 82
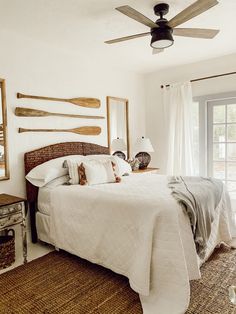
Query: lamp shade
162, 38
144, 145
118, 144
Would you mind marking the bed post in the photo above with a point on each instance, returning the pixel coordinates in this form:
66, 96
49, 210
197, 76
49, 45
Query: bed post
32, 212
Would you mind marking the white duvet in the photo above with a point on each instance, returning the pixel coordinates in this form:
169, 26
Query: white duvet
135, 228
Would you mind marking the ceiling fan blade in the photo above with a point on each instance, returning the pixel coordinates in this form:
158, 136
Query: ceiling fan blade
117, 40
196, 32
137, 16
193, 10
156, 51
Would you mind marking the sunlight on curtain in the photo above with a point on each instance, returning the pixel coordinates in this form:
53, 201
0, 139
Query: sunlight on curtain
196, 138
178, 102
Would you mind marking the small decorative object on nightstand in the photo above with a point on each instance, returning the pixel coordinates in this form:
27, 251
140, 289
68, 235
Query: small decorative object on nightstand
143, 146
134, 163
118, 145
146, 170
13, 212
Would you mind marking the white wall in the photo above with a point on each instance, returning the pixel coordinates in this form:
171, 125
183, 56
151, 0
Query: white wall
155, 126
41, 69
32, 67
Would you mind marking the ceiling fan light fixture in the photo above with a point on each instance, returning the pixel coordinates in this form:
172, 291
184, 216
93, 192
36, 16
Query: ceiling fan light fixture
162, 38
162, 30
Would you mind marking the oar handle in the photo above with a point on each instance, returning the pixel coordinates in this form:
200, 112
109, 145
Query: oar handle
19, 95
75, 116
22, 130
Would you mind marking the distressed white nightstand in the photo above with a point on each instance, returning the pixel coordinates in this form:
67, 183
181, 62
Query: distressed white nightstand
150, 170
12, 212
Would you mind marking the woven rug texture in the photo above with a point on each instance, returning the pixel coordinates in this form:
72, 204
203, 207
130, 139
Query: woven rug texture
61, 283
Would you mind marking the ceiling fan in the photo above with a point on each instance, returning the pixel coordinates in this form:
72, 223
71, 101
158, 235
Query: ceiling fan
162, 30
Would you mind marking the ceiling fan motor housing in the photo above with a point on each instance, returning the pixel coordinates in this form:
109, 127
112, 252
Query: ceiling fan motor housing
161, 9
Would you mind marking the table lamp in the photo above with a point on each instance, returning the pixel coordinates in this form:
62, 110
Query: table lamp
143, 146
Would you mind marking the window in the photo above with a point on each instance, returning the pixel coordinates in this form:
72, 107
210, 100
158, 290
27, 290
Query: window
222, 141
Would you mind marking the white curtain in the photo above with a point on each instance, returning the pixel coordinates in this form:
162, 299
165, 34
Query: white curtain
178, 102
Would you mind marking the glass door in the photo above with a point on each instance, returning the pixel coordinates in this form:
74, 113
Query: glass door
222, 141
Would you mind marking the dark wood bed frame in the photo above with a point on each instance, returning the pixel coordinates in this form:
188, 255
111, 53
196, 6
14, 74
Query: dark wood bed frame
41, 155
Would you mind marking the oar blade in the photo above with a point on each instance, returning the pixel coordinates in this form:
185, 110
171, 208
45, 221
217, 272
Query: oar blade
86, 102
87, 130
28, 112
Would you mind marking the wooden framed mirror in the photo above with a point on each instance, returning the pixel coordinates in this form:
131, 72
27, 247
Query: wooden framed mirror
4, 168
118, 122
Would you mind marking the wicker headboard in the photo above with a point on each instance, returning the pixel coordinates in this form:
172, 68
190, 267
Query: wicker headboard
39, 156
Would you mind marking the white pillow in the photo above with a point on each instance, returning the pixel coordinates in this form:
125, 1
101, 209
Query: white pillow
98, 172
49, 170
58, 181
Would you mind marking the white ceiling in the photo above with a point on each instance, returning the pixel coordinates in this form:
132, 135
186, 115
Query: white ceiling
81, 27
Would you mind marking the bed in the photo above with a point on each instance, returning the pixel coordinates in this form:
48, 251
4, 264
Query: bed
135, 228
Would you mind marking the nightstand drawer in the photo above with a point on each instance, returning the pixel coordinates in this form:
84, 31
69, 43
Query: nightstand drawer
10, 209
11, 220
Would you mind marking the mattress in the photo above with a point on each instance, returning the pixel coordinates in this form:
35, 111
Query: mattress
43, 228
44, 200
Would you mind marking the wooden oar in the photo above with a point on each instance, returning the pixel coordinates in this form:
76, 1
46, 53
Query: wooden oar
81, 101
84, 130
28, 112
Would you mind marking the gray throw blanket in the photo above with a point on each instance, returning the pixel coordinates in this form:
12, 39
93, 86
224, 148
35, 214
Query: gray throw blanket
199, 197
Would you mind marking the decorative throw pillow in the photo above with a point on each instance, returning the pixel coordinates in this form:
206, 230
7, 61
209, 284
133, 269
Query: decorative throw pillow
121, 166
97, 172
72, 166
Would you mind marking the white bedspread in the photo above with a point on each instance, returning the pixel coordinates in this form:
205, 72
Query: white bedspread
135, 228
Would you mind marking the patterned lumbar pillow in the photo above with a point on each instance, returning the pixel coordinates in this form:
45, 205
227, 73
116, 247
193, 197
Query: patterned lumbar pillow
118, 179
97, 172
82, 175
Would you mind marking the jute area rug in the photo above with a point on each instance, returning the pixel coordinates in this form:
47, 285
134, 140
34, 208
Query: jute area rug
62, 283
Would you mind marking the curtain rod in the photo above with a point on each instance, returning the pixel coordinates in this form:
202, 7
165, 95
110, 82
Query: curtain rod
205, 78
